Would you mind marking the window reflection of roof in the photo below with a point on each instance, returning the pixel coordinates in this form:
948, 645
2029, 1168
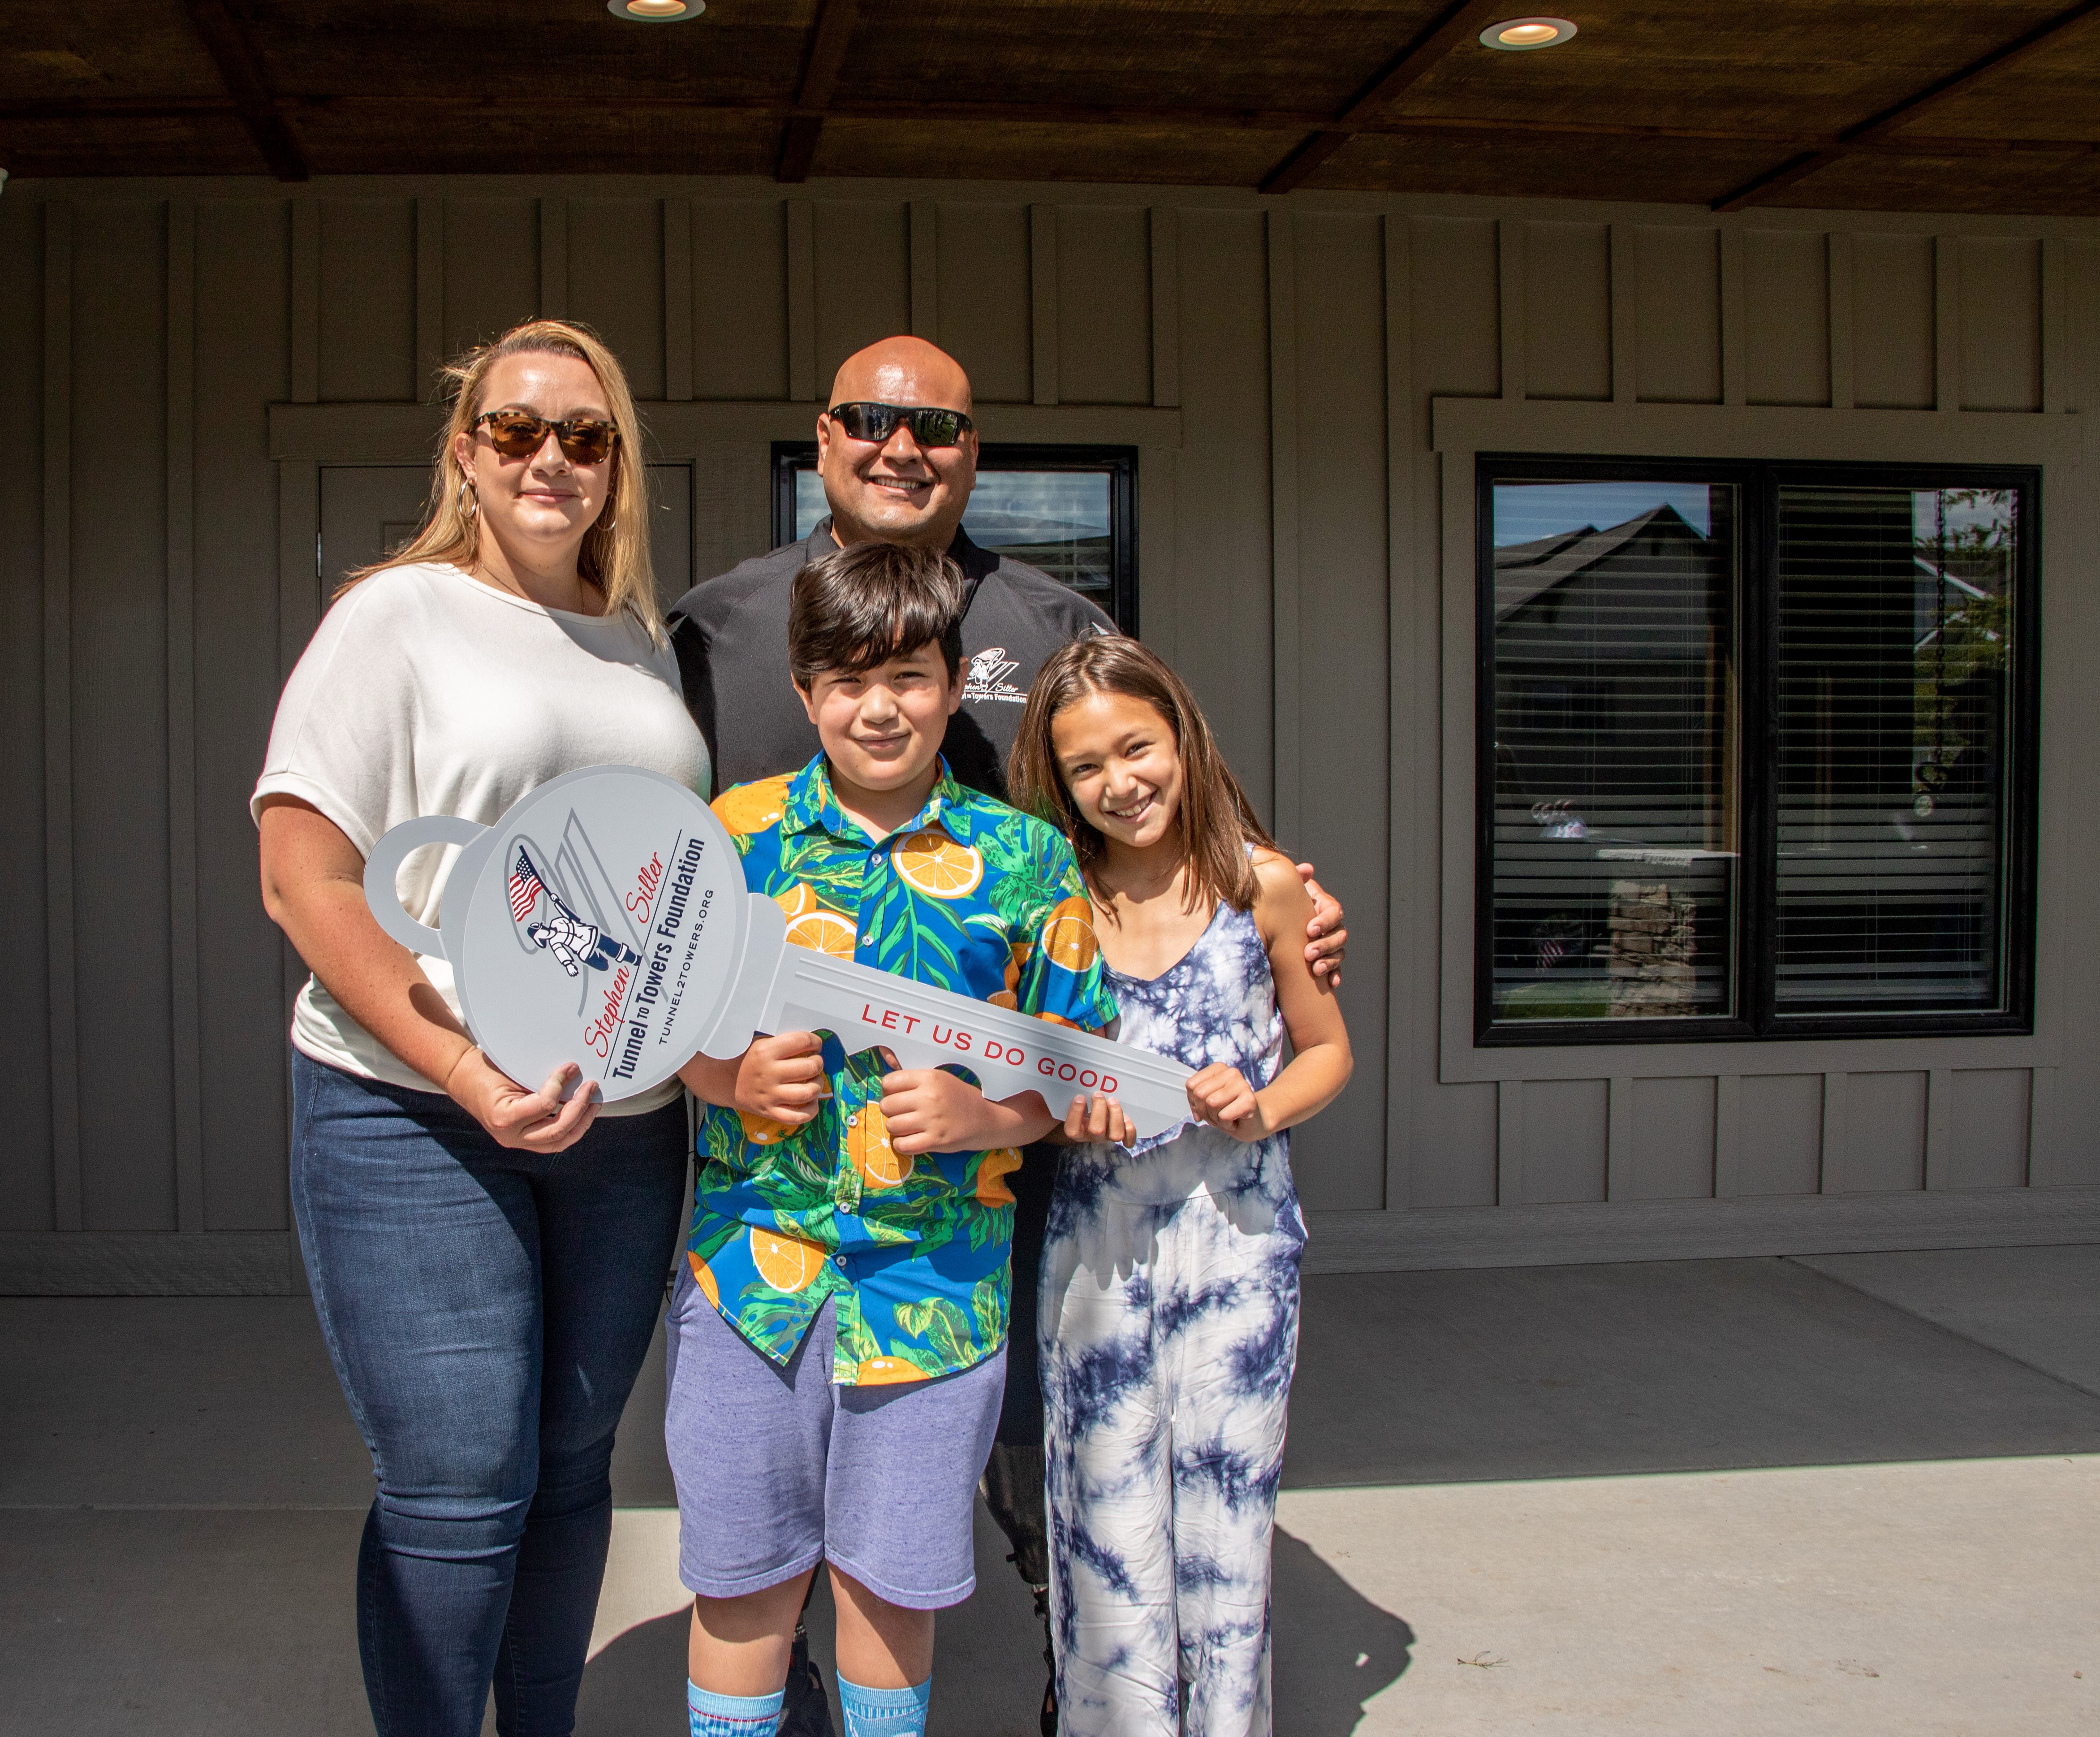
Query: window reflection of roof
1526, 571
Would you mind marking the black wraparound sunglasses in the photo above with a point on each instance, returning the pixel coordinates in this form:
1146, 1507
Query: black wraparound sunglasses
519, 434
930, 425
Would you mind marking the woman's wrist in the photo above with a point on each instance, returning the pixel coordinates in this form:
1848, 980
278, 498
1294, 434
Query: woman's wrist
458, 1059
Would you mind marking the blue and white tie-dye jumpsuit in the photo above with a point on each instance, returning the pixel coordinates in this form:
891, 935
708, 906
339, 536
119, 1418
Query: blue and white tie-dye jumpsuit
1169, 1329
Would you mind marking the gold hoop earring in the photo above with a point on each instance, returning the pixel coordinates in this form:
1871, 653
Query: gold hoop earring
469, 497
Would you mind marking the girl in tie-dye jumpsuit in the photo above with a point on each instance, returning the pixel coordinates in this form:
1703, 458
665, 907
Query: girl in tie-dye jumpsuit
1168, 1313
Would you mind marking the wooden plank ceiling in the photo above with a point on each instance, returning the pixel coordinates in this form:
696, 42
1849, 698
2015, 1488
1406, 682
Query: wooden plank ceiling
1990, 105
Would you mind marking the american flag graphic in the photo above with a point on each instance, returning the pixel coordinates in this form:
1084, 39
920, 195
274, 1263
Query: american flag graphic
526, 886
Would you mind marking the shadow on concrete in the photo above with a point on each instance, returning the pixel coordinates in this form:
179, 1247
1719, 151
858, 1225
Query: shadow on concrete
1555, 1371
1334, 1648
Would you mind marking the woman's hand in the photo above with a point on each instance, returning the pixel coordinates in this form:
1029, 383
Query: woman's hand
1220, 1096
1325, 939
524, 1121
1091, 1119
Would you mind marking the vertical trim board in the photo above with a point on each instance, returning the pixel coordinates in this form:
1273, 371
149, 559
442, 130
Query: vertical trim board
2041, 1129
1939, 1128
2055, 336
306, 310
1835, 1132
58, 715
554, 259
677, 299
1283, 525
1840, 267
1735, 358
1042, 301
430, 294
1946, 323
1626, 308
1727, 1135
1509, 1142
925, 216
1618, 1138
1509, 233
801, 301
1401, 819
184, 1011
1166, 237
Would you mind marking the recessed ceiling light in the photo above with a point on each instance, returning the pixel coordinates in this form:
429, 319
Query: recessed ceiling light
1528, 32
656, 12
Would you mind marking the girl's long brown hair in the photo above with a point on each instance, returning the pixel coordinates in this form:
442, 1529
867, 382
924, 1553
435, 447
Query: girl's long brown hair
1217, 822
615, 555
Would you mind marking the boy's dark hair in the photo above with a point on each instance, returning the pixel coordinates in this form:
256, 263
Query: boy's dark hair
861, 606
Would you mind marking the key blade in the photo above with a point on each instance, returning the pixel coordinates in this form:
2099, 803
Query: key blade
1008, 1051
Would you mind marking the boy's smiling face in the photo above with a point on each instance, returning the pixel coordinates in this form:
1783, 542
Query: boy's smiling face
882, 728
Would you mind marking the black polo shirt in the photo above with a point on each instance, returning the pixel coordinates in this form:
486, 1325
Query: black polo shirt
731, 637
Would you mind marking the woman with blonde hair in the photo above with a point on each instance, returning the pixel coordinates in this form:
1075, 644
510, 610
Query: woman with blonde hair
487, 1259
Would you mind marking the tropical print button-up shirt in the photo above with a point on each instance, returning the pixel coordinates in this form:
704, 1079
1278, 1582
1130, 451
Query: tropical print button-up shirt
971, 896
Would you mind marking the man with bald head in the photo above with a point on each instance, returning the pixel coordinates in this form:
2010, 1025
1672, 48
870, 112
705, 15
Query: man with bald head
888, 478
898, 454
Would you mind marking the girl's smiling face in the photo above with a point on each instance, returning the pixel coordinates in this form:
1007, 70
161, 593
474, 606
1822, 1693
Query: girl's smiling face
1119, 758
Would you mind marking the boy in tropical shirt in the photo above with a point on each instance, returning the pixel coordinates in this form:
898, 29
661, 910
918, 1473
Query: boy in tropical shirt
839, 1330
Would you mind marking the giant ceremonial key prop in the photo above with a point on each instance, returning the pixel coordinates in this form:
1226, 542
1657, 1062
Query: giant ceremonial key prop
604, 920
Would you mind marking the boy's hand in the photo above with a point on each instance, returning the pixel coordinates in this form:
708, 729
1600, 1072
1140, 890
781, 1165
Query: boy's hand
1221, 1096
1094, 1121
928, 1111
782, 1077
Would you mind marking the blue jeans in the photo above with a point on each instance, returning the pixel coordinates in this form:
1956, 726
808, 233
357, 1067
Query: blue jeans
487, 1311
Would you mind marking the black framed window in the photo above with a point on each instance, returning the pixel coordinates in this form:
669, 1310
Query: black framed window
1070, 510
1756, 749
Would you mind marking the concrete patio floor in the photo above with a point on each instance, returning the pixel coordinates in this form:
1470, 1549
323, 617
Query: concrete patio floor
1855, 1494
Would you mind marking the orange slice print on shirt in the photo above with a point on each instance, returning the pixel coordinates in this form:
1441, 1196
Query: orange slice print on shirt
822, 931
787, 1263
931, 863
762, 1130
752, 807
704, 1276
868, 1146
1068, 936
798, 900
886, 1372
993, 1170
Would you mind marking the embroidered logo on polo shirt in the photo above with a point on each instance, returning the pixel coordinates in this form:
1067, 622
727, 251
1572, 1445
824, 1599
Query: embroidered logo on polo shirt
987, 678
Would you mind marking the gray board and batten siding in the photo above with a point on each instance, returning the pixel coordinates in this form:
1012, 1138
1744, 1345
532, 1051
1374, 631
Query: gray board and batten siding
218, 390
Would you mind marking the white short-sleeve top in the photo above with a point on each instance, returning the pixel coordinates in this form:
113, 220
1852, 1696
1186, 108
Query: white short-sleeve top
426, 691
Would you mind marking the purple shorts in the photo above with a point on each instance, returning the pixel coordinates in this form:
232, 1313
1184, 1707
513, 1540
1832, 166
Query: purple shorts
778, 1469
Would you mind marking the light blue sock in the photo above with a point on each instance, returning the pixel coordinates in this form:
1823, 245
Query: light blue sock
712, 1715
885, 1712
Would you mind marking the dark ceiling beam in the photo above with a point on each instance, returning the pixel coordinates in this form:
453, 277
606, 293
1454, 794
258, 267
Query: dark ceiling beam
1876, 130
829, 38
241, 72
525, 103
1451, 29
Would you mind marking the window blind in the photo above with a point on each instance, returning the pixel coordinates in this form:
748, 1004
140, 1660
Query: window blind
1615, 817
1894, 660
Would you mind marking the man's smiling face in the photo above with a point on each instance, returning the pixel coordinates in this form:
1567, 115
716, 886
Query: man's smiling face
896, 491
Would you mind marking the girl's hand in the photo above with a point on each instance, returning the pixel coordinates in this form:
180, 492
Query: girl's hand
928, 1111
1221, 1096
782, 1077
524, 1121
1092, 1120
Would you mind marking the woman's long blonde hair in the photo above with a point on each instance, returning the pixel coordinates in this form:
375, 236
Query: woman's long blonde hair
615, 555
